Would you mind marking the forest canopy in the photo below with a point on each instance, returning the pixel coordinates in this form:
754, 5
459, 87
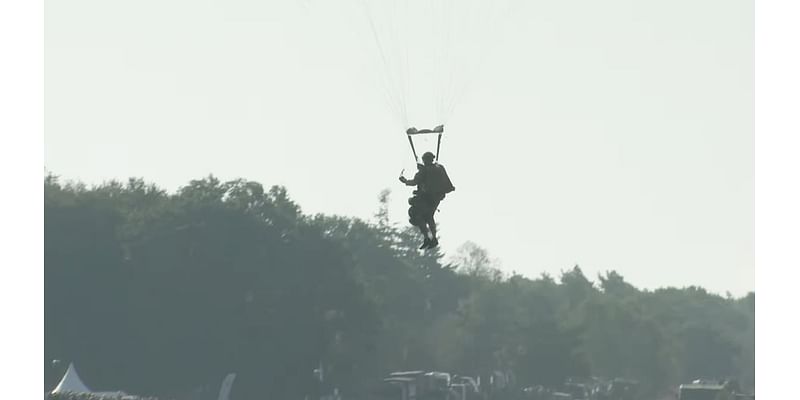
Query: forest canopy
159, 293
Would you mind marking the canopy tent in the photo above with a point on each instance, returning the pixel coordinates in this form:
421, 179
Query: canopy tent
71, 382
225, 388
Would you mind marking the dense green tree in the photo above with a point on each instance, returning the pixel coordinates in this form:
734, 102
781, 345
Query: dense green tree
163, 294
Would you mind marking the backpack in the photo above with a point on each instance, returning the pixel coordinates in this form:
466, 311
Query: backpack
436, 180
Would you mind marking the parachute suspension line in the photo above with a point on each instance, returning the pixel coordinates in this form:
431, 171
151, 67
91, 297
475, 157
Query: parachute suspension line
438, 14
400, 40
429, 48
406, 80
400, 28
443, 70
396, 38
462, 64
453, 29
489, 22
389, 91
453, 86
442, 16
434, 36
408, 75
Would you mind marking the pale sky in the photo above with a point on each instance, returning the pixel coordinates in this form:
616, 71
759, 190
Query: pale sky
613, 135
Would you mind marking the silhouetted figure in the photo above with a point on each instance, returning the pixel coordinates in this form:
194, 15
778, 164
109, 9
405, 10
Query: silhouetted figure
432, 185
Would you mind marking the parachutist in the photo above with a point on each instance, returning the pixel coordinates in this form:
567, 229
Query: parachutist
432, 185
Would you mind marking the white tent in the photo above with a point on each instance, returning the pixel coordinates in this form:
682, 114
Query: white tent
71, 382
225, 388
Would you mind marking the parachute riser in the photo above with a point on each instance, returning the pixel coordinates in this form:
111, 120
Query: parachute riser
413, 150
438, 146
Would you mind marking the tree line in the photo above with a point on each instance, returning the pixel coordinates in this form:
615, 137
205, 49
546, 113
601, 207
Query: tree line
163, 294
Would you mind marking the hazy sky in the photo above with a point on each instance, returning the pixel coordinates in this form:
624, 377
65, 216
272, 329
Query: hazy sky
612, 135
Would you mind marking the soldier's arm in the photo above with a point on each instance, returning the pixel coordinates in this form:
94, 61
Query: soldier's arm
408, 182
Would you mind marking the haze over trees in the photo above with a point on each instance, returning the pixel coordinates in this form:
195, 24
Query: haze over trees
159, 293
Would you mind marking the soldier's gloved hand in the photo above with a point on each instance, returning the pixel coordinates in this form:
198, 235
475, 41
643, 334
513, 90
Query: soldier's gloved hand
403, 179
